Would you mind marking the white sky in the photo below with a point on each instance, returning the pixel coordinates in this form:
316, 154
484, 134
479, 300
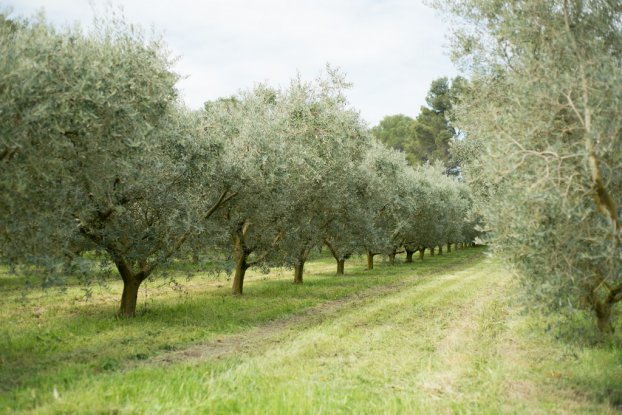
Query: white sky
391, 50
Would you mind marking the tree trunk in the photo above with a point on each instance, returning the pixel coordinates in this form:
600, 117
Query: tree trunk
409, 255
448, 247
238, 279
440, 249
131, 284
370, 260
603, 316
195, 257
241, 255
129, 298
421, 253
392, 259
431, 251
340, 266
298, 271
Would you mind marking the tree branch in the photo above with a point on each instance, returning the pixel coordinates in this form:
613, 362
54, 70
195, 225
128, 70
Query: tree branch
603, 199
221, 201
8, 153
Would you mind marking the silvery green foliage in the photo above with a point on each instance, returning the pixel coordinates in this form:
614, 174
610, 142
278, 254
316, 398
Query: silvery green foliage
257, 167
545, 141
292, 156
97, 155
443, 206
326, 141
95, 152
390, 199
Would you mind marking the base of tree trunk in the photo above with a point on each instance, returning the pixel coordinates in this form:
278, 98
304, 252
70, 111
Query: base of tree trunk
370, 261
341, 266
440, 250
431, 251
603, 317
129, 299
392, 259
448, 247
298, 271
238, 280
421, 253
409, 256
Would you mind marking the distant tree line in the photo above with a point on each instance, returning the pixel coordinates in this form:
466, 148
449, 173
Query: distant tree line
426, 138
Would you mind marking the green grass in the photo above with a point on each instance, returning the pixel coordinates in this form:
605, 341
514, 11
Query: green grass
442, 336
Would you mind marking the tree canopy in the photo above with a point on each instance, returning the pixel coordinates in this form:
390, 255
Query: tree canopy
96, 153
544, 143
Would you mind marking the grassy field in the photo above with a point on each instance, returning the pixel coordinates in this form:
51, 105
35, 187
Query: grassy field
442, 336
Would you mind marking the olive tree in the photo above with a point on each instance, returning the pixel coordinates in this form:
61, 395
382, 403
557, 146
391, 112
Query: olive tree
544, 113
353, 211
96, 153
326, 140
389, 203
442, 206
251, 125
293, 151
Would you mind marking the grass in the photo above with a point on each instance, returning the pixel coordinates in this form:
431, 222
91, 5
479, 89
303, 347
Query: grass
442, 336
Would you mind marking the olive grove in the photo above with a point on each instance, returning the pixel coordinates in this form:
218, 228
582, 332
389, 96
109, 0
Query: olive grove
102, 166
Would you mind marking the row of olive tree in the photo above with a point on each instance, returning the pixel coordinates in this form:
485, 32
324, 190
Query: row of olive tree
312, 176
98, 156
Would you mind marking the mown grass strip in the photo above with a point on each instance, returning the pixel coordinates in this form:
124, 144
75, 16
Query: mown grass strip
453, 341
55, 340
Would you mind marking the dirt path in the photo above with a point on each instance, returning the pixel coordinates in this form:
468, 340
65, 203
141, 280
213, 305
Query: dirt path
260, 338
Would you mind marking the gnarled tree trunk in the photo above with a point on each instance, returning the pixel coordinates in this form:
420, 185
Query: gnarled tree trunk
299, 267
409, 255
129, 297
131, 284
421, 253
431, 251
448, 247
603, 317
340, 260
602, 308
240, 271
440, 249
392, 258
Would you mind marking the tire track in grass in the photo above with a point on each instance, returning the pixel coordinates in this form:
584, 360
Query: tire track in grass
465, 342
261, 337
433, 344
328, 365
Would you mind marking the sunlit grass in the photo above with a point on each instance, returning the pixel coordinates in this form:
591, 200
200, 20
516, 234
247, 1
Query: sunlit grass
442, 336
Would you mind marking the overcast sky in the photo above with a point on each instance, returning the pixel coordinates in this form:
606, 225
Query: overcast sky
389, 49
